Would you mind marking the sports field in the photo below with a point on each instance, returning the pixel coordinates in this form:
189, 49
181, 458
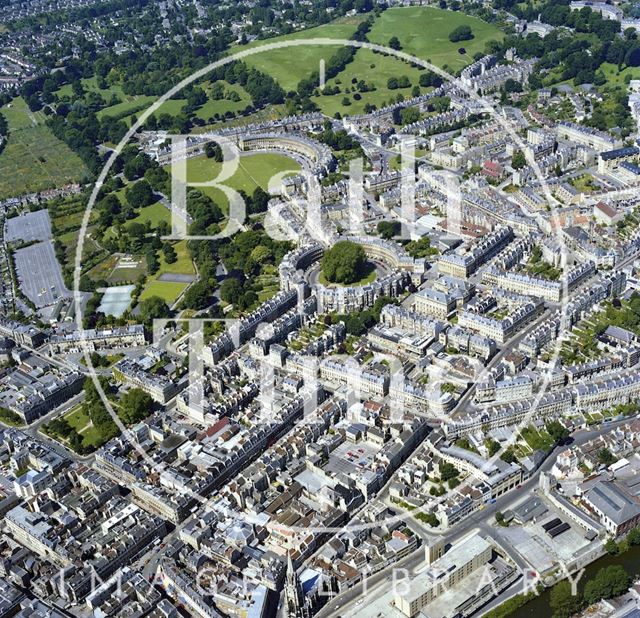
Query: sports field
33, 158
169, 291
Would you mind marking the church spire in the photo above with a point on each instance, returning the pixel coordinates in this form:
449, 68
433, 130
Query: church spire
295, 603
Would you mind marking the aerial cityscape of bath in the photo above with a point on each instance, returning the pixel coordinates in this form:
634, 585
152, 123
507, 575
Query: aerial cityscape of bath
319, 308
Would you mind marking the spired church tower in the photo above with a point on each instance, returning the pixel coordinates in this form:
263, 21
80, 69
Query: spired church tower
295, 603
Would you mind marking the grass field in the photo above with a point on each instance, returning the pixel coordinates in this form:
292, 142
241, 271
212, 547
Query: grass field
183, 265
223, 106
375, 69
19, 116
152, 214
174, 107
114, 274
91, 437
291, 64
617, 78
270, 112
135, 104
253, 171
167, 290
33, 158
90, 85
424, 32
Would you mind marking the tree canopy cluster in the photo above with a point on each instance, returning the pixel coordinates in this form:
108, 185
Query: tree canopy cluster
609, 582
461, 33
357, 323
344, 262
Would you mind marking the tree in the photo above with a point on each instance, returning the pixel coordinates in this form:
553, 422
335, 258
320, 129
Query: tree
197, 296
420, 248
493, 446
388, 229
557, 431
139, 194
512, 85
261, 255
344, 262
429, 518
612, 547
440, 104
170, 255
394, 43
152, 262
429, 78
448, 471
633, 538
518, 161
135, 405
409, 115
609, 582
153, 308
213, 150
606, 457
461, 33
136, 166
259, 201
562, 600
230, 290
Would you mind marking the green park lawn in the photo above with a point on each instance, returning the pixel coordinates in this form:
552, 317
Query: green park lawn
183, 265
289, 65
152, 214
130, 106
33, 158
424, 32
253, 171
19, 116
375, 69
617, 78
173, 107
225, 105
91, 437
167, 290
65, 92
